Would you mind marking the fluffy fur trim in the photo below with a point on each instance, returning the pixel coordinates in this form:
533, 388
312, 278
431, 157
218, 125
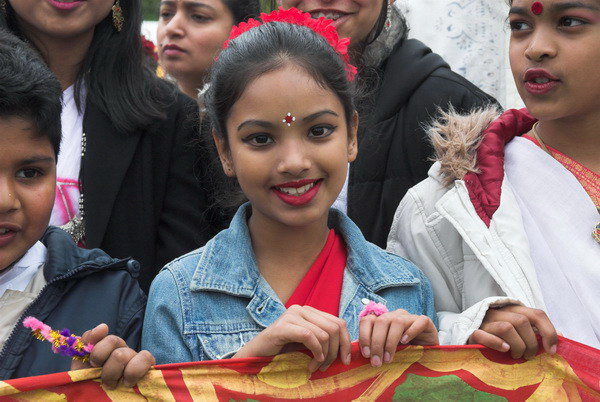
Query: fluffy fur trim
456, 138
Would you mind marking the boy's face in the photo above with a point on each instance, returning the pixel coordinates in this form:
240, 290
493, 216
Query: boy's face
27, 186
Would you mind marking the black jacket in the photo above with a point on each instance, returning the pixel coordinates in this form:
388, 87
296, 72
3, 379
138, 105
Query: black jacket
143, 191
84, 288
393, 152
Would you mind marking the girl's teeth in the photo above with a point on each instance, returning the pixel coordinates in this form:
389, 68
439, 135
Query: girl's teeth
296, 191
3, 231
541, 80
326, 16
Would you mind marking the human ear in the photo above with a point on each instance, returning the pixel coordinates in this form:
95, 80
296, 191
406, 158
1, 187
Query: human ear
353, 138
224, 154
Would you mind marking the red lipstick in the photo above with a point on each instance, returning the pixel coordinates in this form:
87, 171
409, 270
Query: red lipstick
65, 6
298, 199
539, 81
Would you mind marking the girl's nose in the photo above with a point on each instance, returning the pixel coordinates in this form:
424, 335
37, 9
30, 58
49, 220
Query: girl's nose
294, 159
541, 46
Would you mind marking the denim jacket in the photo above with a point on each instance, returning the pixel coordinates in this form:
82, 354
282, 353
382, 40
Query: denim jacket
207, 304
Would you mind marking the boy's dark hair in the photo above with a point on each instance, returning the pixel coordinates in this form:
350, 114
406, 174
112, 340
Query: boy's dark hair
242, 9
261, 50
118, 77
28, 89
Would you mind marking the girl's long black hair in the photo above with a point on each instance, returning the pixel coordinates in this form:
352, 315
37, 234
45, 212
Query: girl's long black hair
118, 76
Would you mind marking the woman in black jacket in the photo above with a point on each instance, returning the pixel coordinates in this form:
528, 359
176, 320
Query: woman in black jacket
403, 84
129, 179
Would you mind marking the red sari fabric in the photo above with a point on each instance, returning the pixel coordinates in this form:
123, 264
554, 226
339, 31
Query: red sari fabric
321, 287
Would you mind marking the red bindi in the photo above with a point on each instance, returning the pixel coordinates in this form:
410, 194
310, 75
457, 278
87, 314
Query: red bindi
289, 119
537, 8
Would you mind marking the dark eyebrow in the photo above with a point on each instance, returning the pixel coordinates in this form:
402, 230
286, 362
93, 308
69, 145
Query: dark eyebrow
37, 159
188, 4
259, 123
518, 10
575, 4
315, 116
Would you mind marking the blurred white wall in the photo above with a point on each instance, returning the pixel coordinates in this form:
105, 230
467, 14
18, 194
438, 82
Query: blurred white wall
149, 30
472, 36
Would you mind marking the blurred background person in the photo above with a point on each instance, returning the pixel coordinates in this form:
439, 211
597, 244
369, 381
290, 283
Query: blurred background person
191, 33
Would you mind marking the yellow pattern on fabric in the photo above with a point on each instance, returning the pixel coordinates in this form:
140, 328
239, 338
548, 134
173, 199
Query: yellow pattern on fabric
555, 377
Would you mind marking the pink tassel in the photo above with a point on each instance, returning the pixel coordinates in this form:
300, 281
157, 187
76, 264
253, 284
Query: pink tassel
376, 309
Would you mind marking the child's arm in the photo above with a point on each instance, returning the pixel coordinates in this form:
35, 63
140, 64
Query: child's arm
325, 335
514, 328
163, 332
119, 362
379, 336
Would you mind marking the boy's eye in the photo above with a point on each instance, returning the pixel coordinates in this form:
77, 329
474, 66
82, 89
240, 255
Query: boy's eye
519, 26
570, 22
200, 18
29, 173
258, 140
321, 131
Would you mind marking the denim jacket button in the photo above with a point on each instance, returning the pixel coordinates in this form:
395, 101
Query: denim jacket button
365, 301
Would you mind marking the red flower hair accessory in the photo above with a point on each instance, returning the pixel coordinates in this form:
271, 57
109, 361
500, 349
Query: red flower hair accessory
294, 16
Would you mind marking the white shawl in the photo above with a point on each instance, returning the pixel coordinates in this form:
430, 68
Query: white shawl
559, 217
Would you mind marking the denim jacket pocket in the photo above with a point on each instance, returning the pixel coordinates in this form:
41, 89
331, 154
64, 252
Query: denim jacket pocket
217, 346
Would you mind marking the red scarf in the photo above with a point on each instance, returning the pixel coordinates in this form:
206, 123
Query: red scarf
321, 287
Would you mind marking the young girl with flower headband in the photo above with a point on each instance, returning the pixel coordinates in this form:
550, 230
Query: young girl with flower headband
509, 217
289, 270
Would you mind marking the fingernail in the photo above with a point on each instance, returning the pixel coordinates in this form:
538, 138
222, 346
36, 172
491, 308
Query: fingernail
376, 361
366, 352
404, 339
552, 349
348, 359
322, 358
323, 368
505, 347
387, 357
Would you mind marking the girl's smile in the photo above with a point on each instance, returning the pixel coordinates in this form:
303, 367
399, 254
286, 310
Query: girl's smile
298, 193
292, 173
353, 19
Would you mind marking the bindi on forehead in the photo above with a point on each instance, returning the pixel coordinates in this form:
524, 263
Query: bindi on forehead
541, 7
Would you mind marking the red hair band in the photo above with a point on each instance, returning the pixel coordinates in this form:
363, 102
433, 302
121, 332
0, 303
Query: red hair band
294, 16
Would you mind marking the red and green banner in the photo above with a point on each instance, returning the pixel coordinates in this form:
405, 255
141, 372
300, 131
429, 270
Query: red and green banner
416, 373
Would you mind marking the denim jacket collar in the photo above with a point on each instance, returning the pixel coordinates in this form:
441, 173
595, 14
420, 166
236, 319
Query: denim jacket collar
231, 250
